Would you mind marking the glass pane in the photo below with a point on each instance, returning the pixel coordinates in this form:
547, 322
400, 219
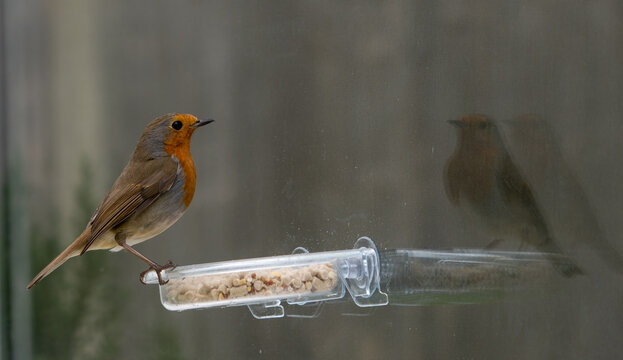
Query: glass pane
333, 121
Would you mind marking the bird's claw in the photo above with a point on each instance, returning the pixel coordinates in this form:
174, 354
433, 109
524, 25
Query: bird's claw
158, 269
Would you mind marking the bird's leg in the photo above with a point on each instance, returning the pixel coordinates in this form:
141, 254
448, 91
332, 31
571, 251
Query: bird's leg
152, 265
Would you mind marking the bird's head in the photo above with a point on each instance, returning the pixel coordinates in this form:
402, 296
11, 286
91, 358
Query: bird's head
169, 133
476, 129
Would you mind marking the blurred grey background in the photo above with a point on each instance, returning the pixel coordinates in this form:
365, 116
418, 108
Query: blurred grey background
330, 124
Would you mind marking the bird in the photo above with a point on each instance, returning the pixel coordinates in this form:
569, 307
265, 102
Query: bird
482, 180
153, 191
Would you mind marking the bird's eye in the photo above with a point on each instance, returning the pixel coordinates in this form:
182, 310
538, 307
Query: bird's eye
177, 125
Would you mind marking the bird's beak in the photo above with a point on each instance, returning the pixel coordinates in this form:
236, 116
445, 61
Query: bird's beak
201, 123
456, 123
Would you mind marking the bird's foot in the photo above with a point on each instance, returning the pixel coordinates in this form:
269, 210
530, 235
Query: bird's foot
158, 269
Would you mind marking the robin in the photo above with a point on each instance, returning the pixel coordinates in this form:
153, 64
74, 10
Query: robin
152, 192
484, 183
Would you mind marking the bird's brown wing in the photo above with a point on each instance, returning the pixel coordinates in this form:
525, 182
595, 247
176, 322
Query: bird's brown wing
138, 187
512, 184
515, 189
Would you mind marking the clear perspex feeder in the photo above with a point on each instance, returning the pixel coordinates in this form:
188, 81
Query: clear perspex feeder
370, 277
263, 283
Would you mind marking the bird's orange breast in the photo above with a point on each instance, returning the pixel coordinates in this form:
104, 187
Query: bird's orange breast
179, 146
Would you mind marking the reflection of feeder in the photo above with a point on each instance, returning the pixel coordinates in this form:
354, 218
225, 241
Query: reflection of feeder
307, 280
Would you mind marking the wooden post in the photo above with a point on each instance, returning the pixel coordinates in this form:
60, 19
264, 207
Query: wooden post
18, 25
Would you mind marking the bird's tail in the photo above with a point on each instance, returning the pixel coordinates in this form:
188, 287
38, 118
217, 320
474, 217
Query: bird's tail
71, 251
559, 261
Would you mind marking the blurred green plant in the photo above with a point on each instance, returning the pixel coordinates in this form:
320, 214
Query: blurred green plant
4, 269
74, 314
